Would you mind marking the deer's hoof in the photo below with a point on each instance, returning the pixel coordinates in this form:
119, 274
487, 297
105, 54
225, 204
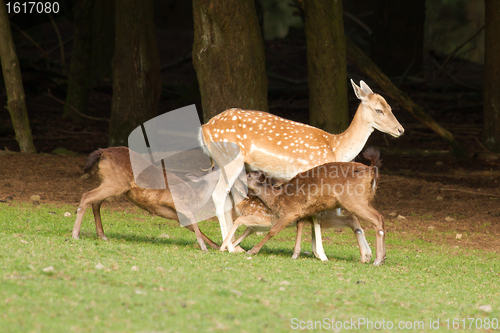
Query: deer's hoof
238, 249
366, 258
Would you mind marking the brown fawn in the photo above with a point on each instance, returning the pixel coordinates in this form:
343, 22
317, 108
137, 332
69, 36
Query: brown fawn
329, 186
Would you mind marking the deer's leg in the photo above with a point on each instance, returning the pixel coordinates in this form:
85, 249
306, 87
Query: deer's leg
336, 219
171, 214
365, 211
248, 231
298, 239
210, 243
317, 242
230, 235
96, 209
223, 204
199, 237
97, 195
364, 248
280, 225
183, 210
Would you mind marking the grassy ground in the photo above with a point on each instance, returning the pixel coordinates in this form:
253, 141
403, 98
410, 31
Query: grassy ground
141, 282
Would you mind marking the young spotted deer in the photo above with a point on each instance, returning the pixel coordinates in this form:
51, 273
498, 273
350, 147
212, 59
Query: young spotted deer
326, 187
117, 177
256, 216
282, 148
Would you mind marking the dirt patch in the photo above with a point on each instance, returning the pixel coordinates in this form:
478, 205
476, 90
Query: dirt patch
429, 210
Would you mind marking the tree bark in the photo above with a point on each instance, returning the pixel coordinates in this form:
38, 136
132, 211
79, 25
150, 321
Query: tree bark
398, 36
103, 40
16, 101
326, 65
136, 70
367, 66
491, 133
79, 71
228, 55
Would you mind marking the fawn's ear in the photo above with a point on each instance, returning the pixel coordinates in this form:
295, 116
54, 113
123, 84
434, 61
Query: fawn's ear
261, 177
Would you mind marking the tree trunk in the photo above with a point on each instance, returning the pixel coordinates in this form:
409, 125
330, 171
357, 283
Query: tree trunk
136, 69
326, 65
16, 101
228, 55
398, 36
79, 71
491, 133
103, 40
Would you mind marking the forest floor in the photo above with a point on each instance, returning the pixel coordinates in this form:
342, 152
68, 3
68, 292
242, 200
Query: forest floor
434, 197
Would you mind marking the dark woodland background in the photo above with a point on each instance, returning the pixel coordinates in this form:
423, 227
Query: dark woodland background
99, 68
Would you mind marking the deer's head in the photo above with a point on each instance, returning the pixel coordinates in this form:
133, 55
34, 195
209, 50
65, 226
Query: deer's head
376, 111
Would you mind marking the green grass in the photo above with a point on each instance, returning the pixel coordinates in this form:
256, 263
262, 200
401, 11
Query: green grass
179, 288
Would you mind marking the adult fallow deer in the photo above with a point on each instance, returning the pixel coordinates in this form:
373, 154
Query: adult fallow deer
283, 148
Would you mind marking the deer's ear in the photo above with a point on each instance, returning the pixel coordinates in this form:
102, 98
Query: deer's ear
365, 88
360, 93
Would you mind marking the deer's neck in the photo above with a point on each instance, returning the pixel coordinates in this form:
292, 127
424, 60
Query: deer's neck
350, 143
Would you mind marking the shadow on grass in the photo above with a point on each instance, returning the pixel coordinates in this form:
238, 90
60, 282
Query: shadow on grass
140, 239
287, 253
189, 242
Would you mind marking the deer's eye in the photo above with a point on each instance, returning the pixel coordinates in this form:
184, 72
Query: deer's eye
379, 111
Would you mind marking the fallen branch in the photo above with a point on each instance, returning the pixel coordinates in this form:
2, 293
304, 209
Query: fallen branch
49, 94
277, 77
452, 54
470, 192
451, 77
453, 175
486, 149
367, 66
32, 41
413, 152
61, 44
